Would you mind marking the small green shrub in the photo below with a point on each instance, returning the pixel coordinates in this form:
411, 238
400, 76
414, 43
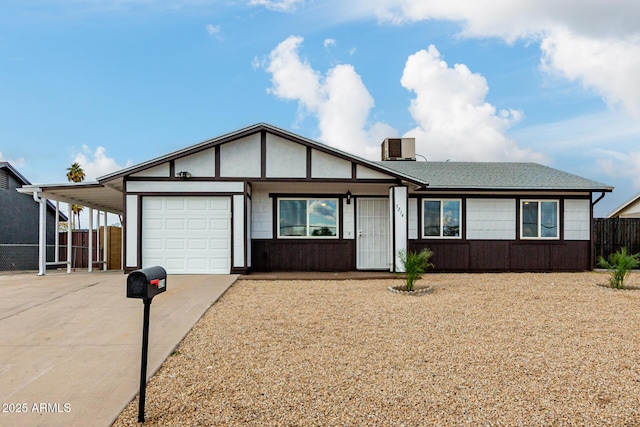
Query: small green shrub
620, 265
415, 263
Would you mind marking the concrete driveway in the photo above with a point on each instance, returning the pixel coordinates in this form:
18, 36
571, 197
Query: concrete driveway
70, 345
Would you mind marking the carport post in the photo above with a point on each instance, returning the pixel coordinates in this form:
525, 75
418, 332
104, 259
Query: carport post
69, 240
57, 235
42, 234
104, 243
90, 240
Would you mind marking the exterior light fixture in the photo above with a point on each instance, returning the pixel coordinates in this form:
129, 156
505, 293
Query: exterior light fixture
183, 175
348, 197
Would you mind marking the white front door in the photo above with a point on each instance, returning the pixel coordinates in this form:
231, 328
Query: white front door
372, 231
187, 235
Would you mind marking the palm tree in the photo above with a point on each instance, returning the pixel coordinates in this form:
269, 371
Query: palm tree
75, 173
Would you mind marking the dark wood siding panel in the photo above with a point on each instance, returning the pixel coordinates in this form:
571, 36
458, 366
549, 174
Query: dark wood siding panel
530, 257
447, 256
489, 255
573, 255
504, 255
302, 255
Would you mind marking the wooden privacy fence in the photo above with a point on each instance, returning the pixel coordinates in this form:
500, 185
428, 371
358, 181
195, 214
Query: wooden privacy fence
80, 247
611, 234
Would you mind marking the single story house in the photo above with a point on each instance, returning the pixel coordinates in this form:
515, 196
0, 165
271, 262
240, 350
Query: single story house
19, 219
629, 209
265, 199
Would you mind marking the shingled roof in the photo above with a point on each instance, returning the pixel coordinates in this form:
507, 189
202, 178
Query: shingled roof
493, 176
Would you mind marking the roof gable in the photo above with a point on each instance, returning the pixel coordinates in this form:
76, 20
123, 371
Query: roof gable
260, 151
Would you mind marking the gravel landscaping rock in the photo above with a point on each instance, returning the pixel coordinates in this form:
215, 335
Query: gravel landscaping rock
479, 350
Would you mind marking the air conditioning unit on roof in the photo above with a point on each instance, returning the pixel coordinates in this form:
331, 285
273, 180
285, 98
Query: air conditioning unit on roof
399, 149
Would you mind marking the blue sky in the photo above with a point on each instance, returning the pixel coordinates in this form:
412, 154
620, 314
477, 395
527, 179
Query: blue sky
110, 83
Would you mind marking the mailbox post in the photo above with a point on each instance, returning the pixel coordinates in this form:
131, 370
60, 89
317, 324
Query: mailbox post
145, 284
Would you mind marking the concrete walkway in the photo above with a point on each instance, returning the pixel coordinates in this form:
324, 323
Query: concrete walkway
70, 345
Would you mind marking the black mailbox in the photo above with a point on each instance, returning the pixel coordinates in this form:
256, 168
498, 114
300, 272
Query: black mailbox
146, 282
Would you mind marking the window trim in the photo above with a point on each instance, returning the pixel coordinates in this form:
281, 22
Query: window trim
441, 236
307, 199
539, 222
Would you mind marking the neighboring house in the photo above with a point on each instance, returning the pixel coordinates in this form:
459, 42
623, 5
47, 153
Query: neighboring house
19, 219
629, 209
264, 199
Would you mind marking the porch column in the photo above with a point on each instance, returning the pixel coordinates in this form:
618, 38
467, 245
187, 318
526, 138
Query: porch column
90, 240
57, 235
69, 240
104, 243
398, 197
42, 234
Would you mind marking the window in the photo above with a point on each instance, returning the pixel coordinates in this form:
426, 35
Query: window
539, 219
441, 218
315, 218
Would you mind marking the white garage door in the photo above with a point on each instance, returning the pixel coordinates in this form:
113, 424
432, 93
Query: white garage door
187, 235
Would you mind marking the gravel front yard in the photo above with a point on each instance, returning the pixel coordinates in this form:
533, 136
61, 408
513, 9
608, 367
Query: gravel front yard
481, 350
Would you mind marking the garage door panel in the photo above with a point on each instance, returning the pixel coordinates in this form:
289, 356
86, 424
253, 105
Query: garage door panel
198, 244
176, 224
187, 235
175, 204
153, 244
174, 244
197, 224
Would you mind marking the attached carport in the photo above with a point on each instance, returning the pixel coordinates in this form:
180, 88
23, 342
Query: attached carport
93, 195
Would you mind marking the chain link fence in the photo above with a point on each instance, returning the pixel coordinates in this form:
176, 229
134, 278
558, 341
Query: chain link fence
24, 256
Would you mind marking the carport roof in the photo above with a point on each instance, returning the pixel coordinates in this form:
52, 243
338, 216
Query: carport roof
90, 194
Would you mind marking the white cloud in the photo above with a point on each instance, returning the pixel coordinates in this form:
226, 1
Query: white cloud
594, 42
213, 29
14, 162
618, 164
454, 120
96, 164
277, 5
339, 100
329, 43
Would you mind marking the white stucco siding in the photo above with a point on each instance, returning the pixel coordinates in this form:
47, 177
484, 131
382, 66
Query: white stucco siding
399, 214
238, 231
285, 159
577, 219
241, 158
261, 216
412, 228
131, 238
160, 171
202, 164
491, 219
366, 173
325, 165
185, 186
348, 220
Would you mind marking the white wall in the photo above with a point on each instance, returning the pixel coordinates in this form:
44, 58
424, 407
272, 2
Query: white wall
238, 231
348, 220
131, 239
413, 219
491, 219
202, 164
184, 187
328, 166
577, 219
261, 215
156, 171
241, 158
399, 231
285, 159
